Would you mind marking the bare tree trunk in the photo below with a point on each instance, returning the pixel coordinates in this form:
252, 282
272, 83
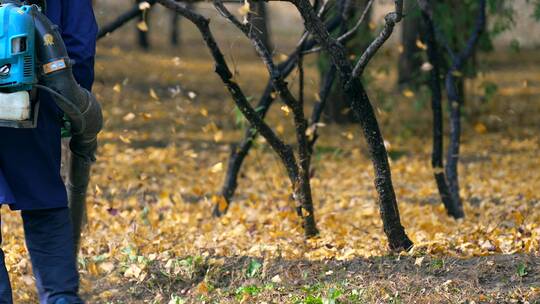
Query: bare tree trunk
362, 108
437, 164
176, 25
175, 29
388, 207
456, 99
453, 82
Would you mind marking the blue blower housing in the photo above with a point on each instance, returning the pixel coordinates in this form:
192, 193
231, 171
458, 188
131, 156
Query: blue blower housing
17, 48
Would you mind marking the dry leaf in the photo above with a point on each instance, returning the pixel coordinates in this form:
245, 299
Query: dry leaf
129, 117
276, 279
106, 267
218, 136
480, 128
144, 5
408, 93
117, 88
153, 94
244, 9
133, 271
421, 45
217, 168
142, 26
426, 67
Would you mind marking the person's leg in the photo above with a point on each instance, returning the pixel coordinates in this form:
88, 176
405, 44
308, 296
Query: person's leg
5, 287
49, 238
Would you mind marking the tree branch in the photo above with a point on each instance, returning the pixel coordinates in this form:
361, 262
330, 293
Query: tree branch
350, 33
286, 67
301, 184
122, 19
221, 68
390, 21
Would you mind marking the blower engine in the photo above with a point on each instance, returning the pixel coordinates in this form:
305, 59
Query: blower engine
17, 67
34, 59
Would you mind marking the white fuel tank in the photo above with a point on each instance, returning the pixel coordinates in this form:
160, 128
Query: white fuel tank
15, 106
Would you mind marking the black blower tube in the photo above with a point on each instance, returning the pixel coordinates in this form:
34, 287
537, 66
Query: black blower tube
80, 106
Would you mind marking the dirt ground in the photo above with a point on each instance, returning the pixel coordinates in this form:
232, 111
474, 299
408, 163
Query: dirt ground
169, 126
492, 279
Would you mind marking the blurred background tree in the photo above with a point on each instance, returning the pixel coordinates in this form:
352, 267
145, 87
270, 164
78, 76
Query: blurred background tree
410, 57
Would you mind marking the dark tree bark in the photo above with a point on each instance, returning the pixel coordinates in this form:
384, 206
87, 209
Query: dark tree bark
410, 60
175, 29
362, 108
258, 18
338, 110
143, 39
437, 164
458, 60
455, 101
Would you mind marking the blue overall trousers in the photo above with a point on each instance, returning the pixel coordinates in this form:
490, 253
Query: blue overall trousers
30, 170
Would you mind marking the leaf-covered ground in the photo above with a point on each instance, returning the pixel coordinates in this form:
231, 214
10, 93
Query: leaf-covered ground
169, 124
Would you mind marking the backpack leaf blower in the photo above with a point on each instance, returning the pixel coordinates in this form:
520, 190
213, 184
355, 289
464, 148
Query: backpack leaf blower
33, 57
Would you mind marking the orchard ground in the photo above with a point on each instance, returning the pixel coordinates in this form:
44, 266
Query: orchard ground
169, 126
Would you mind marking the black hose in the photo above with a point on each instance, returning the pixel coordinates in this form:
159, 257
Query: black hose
65, 101
79, 105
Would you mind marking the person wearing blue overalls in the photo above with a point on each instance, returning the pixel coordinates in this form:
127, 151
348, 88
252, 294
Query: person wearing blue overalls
30, 178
